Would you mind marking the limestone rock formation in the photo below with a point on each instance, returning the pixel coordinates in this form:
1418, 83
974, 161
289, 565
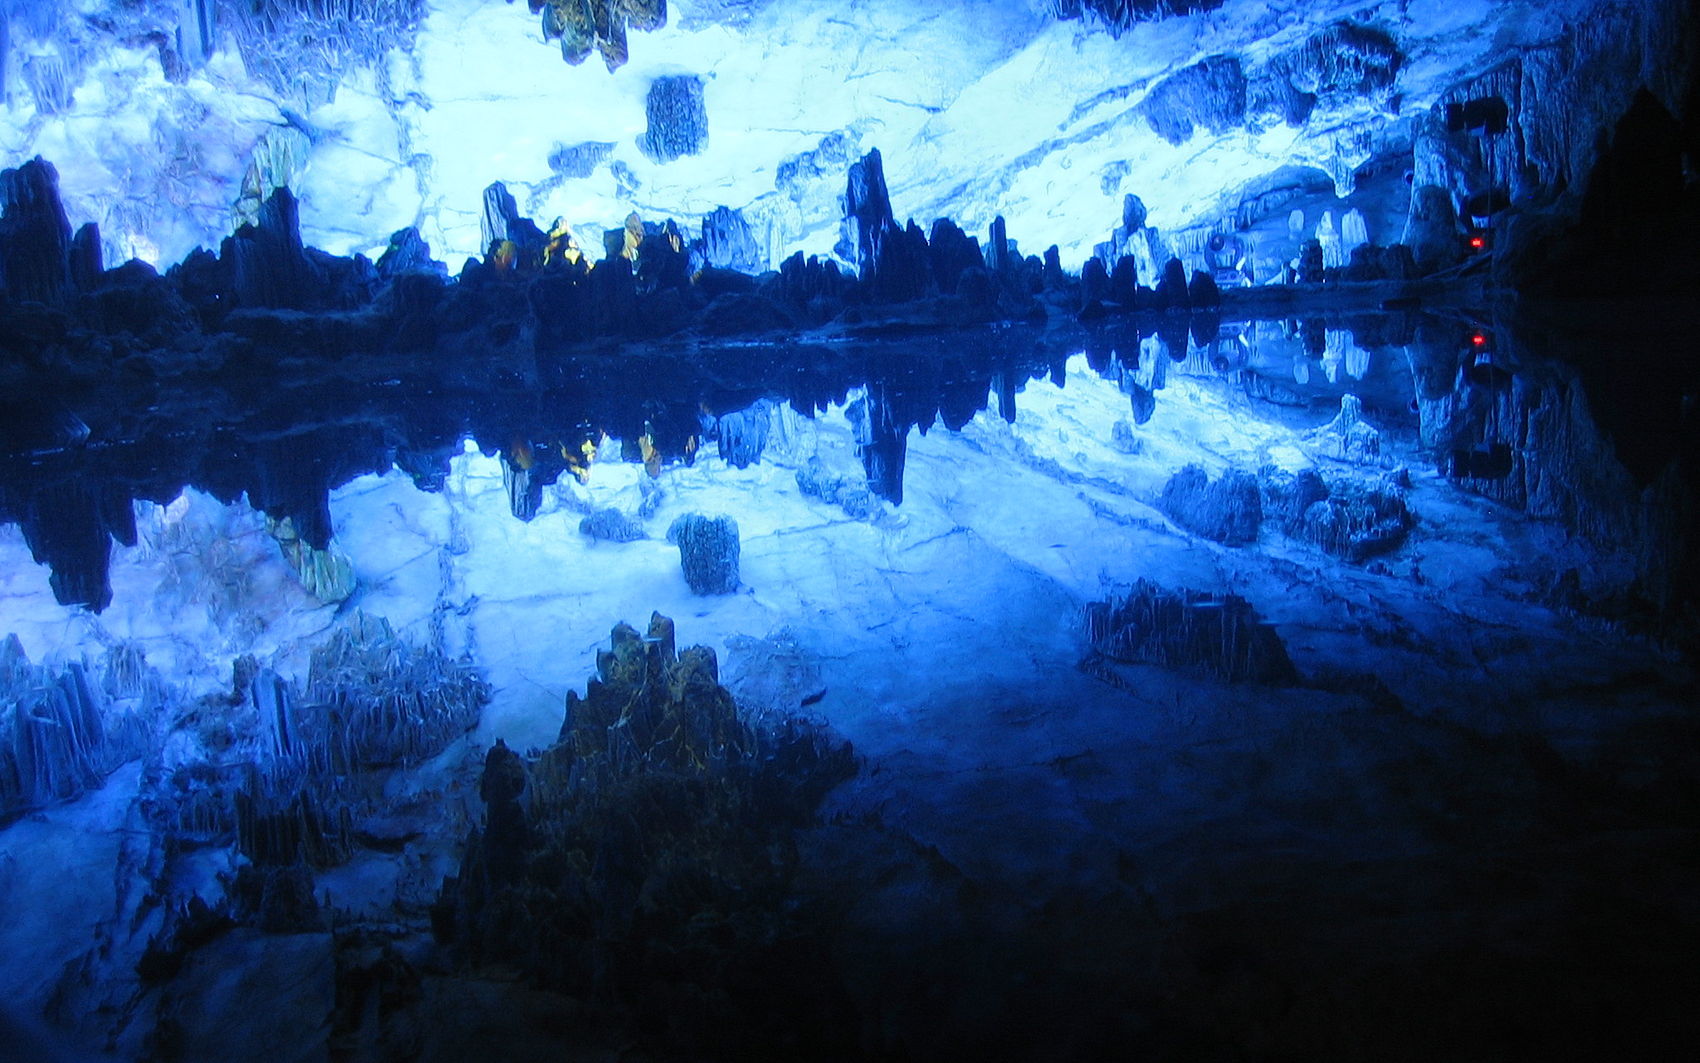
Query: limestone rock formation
373, 699
657, 827
327, 574
1359, 519
727, 242
62, 733
1211, 93
741, 435
35, 236
708, 552
845, 491
1348, 437
1118, 15
678, 119
1216, 635
611, 525
1227, 510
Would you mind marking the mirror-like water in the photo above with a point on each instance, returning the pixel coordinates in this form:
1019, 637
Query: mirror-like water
1188, 670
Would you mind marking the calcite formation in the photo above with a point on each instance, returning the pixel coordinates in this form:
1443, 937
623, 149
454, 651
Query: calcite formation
649, 843
1218, 635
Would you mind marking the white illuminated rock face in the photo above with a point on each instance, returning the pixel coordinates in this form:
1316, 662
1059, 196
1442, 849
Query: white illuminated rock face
981, 107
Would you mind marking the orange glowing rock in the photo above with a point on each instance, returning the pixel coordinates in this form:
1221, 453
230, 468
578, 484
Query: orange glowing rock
520, 454
563, 245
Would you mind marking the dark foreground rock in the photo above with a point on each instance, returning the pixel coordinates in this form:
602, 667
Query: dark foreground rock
644, 860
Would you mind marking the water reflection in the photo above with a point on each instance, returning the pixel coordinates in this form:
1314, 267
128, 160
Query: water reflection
1494, 414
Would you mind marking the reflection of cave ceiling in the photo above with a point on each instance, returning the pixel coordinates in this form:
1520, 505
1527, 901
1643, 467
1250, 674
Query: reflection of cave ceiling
171, 119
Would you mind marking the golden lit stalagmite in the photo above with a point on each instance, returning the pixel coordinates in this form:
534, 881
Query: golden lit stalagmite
600, 25
579, 460
563, 245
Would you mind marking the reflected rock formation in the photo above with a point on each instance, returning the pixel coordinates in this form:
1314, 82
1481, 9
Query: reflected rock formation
1273, 638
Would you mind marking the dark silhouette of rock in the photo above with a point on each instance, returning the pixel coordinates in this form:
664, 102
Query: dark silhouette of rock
659, 801
998, 256
1124, 282
1094, 281
1311, 269
903, 270
35, 236
952, 251
268, 264
743, 314
663, 262
409, 253
1171, 289
1202, 292
1054, 275
507, 834
87, 263
867, 211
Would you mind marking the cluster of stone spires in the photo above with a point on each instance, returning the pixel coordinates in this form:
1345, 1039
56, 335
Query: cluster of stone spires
268, 307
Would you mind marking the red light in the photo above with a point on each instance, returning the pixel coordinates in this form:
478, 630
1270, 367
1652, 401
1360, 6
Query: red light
1477, 242
1479, 340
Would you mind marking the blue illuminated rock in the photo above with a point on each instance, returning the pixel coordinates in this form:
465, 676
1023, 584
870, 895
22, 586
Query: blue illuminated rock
1220, 636
1226, 510
708, 552
727, 242
1211, 93
678, 120
611, 526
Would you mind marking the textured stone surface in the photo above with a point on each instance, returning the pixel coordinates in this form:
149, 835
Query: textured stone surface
708, 552
1227, 510
678, 119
